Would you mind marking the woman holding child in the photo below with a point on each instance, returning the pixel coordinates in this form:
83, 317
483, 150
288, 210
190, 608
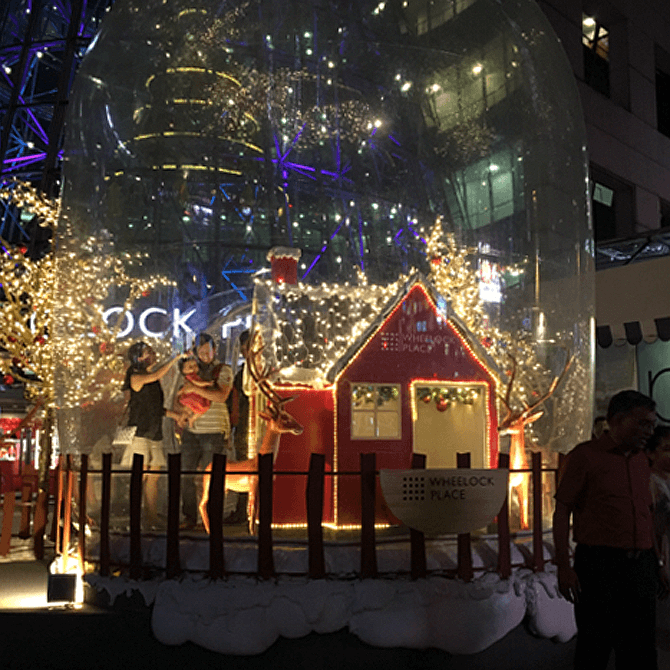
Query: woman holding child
146, 412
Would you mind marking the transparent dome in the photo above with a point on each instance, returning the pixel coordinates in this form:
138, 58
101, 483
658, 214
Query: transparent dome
202, 133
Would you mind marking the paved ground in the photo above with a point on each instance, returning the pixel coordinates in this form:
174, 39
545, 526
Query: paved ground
94, 639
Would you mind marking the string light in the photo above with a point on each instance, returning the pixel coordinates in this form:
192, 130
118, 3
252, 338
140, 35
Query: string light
51, 319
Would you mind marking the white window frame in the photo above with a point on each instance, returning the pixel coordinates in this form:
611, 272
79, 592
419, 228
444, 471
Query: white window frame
375, 411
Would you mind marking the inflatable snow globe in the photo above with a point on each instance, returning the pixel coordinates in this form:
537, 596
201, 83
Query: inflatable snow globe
378, 144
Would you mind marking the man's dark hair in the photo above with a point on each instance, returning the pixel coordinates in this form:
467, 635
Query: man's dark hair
202, 338
244, 337
626, 401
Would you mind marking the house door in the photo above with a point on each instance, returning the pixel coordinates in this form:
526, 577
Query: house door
451, 418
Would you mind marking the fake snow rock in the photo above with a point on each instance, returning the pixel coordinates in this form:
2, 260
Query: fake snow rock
244, 616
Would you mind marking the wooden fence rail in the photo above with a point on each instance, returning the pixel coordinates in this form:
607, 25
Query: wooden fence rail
314, 501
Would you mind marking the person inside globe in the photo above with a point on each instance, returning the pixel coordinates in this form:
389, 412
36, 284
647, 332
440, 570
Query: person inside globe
209, 432
145, 412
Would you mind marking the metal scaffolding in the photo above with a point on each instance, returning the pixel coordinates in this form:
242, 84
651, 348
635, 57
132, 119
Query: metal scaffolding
42, 43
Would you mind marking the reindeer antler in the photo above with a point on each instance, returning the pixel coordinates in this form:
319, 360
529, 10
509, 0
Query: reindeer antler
530, 413
260, 373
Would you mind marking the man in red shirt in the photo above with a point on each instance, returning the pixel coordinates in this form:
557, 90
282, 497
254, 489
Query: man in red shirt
605, 488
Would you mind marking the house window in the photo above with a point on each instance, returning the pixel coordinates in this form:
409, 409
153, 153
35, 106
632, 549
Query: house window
595, 38
375, 411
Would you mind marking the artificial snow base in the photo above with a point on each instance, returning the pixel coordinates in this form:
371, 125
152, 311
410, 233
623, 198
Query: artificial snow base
245, 616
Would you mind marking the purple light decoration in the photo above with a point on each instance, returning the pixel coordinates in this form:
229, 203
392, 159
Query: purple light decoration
417, 235
35, 159
398, 241
304, 170
83, 14
293, 143
59, 6
32, 158
393, 139
323, 250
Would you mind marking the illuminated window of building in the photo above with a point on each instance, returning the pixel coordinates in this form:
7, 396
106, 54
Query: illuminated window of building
595, 38
375, 411
487, 191
430, 14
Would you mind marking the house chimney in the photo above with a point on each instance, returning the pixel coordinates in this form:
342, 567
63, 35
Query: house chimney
284, 264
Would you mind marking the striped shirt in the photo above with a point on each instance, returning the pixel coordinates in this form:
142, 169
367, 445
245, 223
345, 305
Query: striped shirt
215, 419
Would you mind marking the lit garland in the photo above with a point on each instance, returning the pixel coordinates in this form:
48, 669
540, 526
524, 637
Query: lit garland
445, 397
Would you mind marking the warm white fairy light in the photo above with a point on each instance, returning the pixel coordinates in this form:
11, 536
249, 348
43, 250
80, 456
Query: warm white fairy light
28, 198
51, 318
311, 327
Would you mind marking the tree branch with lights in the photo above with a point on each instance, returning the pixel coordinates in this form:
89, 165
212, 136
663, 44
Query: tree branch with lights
51, 314
458, 282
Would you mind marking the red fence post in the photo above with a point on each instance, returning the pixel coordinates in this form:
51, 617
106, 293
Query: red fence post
418, 567
368, 504
26, 510
136, 516
266, 566
7, 522
217, 492
504, 550
105, 507
538, 544
465, 571
83, 486
172, 564
314, 496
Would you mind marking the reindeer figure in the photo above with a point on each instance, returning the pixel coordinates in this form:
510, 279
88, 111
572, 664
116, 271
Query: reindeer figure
242, 476
514, 424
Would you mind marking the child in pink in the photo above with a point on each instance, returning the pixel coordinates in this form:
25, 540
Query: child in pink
194, 403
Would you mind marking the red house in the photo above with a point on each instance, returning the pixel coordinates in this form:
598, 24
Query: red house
413, 381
